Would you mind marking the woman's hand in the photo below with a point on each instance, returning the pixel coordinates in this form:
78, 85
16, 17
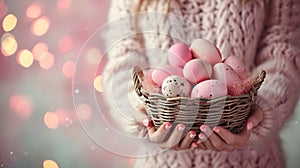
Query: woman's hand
159, 136
174, 140
220, 139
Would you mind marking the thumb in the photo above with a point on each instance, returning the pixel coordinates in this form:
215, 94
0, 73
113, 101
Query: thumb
255, 118
142, 118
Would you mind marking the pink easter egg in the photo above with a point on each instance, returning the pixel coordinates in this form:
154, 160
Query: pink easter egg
202, 48
176, 86
225, 74
209, 89
148, 84
197, 70
161, 73
237, 66
179, 54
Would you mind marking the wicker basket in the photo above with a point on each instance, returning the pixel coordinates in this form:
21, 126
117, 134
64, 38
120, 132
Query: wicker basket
229, 112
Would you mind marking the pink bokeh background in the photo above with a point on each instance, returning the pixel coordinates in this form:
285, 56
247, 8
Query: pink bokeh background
38, 124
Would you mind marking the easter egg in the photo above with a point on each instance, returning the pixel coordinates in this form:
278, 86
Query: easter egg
159, 74
237, 65
202, 48
179, 54
225, 74
176, 86
209, 89
148, 84
197, 70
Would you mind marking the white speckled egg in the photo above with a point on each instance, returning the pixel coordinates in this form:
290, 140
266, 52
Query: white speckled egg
176, 86
209, 89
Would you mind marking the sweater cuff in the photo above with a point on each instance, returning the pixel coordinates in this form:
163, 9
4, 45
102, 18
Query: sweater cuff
265, 130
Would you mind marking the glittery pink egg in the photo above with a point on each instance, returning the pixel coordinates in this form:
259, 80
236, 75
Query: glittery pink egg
225, 74
237, 66
209, 89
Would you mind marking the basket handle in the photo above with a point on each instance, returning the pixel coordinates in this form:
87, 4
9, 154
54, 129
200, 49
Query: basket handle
137, 75
258, 82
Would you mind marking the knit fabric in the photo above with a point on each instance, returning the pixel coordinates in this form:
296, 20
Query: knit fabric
264, 34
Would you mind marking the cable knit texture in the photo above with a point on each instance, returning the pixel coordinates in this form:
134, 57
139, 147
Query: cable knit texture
264, 34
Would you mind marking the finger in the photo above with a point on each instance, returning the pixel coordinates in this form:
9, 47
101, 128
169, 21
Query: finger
237, 140
217, 142
159, 135
193, 146
206, 142
187, 140
255, 118
201, 145
142, 118
175, 136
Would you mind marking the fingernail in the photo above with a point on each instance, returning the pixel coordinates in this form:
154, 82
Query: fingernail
146, 122
194, 144
192, 135
217, 130
181, 128
168, 126
249, 126
203, 128
201, 136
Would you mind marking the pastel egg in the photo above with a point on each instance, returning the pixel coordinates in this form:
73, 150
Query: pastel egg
202, 48
176, 86
237, 66
179, 54
148, 83
209, 89
197, 70
225, 74
161, 73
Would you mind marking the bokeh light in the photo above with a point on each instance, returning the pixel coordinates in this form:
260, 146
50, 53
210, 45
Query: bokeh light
21, 105
64, 117
33, 11
9, 22
84, 111
25, 58
98, 84
51, 120
40, 26
63, 4
65, 44
68, 69
9, 44
50, 164
39, 49
46, 60
93, 56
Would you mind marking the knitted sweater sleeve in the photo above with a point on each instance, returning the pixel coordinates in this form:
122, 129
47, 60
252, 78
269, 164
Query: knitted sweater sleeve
123, 53
279, 56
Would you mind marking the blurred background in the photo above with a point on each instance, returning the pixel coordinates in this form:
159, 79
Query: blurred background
40, 41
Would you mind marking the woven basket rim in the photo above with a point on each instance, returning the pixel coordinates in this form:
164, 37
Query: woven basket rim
138, 73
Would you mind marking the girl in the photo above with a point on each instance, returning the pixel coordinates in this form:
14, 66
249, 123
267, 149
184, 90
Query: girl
264, 34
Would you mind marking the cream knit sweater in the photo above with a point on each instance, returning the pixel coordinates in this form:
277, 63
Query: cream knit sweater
263, 33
